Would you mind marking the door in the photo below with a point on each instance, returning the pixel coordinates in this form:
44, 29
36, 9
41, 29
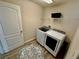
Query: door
10, 20
51, 43
73, 52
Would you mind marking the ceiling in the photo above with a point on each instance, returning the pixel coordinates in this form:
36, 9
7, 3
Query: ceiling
55, 2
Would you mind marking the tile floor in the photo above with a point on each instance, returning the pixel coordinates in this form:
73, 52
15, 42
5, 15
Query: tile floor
13, 54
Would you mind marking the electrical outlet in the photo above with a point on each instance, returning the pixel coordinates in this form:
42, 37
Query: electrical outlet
73, 54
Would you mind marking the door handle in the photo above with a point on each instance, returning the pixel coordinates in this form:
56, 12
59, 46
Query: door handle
21, 31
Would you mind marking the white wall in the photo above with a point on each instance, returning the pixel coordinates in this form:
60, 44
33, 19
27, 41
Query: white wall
31, 17
70, 20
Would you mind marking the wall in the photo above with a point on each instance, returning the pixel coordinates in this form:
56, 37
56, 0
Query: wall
31, 17
70, 20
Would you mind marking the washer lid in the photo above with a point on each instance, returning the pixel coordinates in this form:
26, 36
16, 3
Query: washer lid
56, 34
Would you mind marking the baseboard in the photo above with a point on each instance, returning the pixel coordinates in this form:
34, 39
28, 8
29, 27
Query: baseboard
29, 40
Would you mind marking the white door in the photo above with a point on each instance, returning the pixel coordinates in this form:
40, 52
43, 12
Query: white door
10, 20
73, 52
